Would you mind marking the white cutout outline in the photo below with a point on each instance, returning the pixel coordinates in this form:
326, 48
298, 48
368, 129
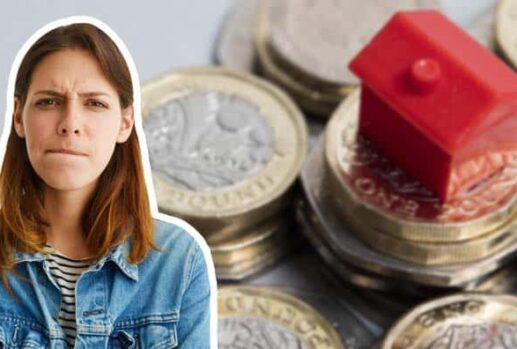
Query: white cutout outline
138, 124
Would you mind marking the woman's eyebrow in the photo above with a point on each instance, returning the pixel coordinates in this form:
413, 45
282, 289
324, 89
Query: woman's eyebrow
82, 94
93, 94
49, 92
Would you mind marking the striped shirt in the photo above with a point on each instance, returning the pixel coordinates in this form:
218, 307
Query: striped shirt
66, 271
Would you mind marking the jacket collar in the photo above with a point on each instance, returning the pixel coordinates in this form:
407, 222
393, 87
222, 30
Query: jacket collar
117, 254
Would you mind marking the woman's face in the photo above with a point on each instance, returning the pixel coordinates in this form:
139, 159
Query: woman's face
71, 120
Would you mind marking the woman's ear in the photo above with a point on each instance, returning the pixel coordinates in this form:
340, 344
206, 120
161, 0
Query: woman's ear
126, 125
17, 118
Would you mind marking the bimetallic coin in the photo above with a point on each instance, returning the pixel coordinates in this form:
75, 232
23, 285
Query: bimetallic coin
235, 48
505, 33
256, 317
225, 147
350, 249
375, 192
458, 321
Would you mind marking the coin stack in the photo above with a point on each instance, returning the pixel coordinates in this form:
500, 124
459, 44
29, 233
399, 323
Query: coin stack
380, 229
225, 149
241, 254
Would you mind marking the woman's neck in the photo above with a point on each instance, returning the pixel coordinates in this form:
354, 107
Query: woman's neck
64, 211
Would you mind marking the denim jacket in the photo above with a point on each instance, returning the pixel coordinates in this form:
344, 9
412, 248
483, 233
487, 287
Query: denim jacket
163, 302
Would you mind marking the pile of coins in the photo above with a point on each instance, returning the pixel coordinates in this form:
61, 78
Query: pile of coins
380, 229
375, 227
225, 149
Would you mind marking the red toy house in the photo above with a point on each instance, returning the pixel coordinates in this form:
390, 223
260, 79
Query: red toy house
436, 102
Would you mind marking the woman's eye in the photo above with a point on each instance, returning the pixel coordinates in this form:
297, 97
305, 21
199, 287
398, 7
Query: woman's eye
97, 104
47, 101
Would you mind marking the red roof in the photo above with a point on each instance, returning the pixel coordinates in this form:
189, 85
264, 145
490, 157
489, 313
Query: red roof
437, 77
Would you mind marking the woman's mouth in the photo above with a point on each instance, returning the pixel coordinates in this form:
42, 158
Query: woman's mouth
67, 151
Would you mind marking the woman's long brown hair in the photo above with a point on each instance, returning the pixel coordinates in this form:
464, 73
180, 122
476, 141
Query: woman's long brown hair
118, 209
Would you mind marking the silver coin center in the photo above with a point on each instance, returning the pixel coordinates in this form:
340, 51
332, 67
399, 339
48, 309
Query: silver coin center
203, 141
252, 332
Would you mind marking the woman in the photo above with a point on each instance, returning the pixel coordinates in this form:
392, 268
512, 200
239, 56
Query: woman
84, 261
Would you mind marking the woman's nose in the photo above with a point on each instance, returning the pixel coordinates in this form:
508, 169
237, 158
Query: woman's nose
70, 123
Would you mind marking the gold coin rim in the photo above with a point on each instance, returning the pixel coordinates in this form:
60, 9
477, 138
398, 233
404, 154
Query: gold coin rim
283, 298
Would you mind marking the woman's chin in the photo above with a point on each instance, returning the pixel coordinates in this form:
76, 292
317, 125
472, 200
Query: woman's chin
68, 184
